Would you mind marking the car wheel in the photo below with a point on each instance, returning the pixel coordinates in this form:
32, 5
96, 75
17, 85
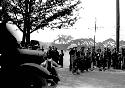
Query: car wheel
33, 80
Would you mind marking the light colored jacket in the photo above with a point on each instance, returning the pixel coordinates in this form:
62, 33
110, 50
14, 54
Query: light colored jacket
53, 63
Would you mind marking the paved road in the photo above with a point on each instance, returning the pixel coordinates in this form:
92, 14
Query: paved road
94, 79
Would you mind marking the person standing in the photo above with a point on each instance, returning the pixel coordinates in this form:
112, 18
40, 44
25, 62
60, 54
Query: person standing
93, 58
123, 58
55, 55
81, 57
61, 59
49, 52
71, 53
115, 59
98, 58
109, 58
75, 61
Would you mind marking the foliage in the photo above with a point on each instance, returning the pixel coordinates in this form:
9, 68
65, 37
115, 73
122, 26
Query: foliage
63, 39
53, 14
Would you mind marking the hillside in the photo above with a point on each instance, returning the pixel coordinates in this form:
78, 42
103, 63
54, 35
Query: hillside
90, 42
83, 42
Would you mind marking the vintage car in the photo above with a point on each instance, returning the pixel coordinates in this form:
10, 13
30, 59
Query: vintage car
34, 44
21, 67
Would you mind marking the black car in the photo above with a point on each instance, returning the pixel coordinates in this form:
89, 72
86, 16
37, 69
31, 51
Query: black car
21, 68
34, 44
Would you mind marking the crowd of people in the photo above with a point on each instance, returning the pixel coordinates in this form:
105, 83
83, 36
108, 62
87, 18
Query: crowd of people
85, 59
53, 53
88, 58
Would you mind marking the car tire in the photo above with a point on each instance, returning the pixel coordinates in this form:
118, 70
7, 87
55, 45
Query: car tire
32, 80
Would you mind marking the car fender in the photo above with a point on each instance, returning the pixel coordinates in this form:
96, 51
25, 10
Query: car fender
35, 68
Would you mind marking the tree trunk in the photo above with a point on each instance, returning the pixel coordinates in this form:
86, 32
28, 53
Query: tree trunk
27, 26
24, 37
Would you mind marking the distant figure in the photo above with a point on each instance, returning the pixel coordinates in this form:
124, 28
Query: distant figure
73, 57
55, 55
49, 52
61, 59
123, 58
115, 58
44, 55
71, 53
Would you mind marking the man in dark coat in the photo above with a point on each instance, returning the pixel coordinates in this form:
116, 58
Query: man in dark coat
71, 53
109, 58
115, 59
123, 58
55, 55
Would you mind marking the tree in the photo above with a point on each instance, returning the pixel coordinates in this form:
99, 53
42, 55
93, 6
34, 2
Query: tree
31, 15
63, 39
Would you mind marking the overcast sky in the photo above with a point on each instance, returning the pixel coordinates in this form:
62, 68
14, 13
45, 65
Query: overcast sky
105, 13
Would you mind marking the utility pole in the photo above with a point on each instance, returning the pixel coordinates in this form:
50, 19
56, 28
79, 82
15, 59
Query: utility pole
95, 28
95, 33
117, 25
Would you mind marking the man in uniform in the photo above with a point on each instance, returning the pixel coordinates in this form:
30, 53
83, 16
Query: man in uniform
71, 52
123, 58
98, 56
109, 58
88, 60
81, 57
93, 56
55, 56
115, 58
75, 61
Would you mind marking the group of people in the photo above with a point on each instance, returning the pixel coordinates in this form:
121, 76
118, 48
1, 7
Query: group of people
53, 53
89, 58
52, 59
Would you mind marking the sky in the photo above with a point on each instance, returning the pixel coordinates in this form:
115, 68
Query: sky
105, 13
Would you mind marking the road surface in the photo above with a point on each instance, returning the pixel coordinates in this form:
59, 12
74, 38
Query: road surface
92, 79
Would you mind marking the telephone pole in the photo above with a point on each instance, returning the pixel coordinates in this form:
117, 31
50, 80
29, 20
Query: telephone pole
117, 25
95, 34
95, 29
